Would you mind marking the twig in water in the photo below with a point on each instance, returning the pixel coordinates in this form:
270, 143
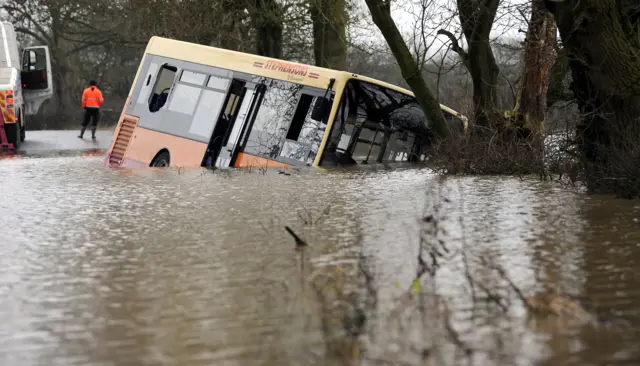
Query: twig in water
323, 214
455, 337
491, 297
307, 220
368, 279
513, 286
300, 243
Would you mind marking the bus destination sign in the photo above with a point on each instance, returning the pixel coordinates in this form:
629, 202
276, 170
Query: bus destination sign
295, 72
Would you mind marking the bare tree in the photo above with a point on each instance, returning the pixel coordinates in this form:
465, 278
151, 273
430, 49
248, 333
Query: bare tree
329, 19
476, 21
411, 71
67, 28
104, 40
268, 19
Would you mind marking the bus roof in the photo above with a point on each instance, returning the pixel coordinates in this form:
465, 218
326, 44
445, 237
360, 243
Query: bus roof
259, 65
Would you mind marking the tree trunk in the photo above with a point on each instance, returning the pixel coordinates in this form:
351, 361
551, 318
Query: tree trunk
558, 89
411, 72
602, 40
59, 64
329, 19
484, 75
231, 35
267, 20
476, 19
539, 57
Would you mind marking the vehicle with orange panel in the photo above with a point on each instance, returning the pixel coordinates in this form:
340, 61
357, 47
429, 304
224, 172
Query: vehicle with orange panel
197, 106
24, 86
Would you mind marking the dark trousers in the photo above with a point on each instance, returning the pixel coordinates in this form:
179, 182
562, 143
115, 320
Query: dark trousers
93, 115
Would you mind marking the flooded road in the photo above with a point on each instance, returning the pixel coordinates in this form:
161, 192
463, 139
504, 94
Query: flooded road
186, 267
63, 142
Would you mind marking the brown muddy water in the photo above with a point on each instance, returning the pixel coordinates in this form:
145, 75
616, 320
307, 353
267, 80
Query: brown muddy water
174, 267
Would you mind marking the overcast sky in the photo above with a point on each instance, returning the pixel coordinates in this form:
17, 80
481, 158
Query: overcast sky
438, 14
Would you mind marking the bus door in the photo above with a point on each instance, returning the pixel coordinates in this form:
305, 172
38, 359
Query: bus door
231, 124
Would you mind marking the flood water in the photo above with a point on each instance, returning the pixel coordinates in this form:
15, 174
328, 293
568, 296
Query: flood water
173, 267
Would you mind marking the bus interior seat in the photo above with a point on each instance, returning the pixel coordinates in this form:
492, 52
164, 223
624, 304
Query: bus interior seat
158, 101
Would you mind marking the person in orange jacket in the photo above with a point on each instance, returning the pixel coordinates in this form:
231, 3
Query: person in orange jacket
91, 101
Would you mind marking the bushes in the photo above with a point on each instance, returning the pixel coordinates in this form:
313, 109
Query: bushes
503, 151
511, 150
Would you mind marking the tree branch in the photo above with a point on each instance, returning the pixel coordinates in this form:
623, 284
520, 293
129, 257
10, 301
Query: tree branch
454, 45
525, 18
44, 35
85, 46
36, 36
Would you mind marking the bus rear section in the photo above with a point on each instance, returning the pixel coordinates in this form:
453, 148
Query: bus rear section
192, 115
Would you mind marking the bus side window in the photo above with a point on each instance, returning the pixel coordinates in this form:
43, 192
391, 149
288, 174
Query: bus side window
162, 87
304, 134
272, 119
401, 147
341, 131
299, 117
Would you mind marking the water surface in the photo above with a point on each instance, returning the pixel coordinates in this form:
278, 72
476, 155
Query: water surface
188, 267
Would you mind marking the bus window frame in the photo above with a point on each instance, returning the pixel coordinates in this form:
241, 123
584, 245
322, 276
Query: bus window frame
344, 111
316, 94
159, 121
201, 85
176, 75
304, 89
178, 81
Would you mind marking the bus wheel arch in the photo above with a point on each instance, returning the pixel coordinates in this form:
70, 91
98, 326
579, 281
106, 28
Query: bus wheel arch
162, 159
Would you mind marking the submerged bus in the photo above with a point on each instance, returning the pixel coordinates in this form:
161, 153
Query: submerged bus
198, 106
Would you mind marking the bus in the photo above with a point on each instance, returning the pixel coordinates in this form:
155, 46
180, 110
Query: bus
192, 105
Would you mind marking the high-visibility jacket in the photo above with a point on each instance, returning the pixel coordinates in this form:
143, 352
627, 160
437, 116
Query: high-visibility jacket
92, 97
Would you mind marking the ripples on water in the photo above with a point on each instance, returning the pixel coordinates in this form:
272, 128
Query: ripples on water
105, 267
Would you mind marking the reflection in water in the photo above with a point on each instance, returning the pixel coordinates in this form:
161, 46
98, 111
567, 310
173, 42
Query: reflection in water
185, 267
